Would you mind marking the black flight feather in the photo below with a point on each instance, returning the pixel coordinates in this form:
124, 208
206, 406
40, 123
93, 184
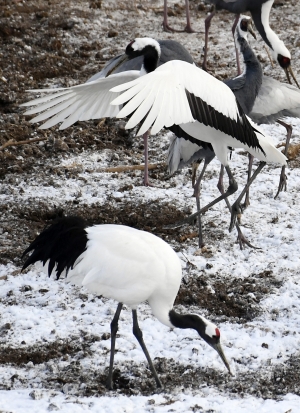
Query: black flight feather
61, 243
240, 129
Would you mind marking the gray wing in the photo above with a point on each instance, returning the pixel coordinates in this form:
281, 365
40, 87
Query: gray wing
112, 67
236, 83
170, 50
275, 100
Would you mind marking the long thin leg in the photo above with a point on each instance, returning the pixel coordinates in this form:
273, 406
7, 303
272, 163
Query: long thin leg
146, 172
236, 208
139, 336
236, 50
197, 195
188, 27
283, 177
195, 166
247, 197
166, 26
114, 329
207, 26
233, 187
241, 237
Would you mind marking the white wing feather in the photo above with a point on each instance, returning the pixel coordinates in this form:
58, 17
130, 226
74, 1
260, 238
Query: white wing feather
82, 102
162, 94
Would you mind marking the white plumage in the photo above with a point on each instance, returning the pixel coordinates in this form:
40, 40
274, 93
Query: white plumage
125, 264
129, 266
78, 103
160, 97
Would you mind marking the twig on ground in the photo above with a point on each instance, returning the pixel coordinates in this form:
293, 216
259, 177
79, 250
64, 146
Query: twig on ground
124, 168
11, 142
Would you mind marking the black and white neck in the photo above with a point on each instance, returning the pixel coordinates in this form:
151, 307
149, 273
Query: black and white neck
278, 49
147, 47
206, 330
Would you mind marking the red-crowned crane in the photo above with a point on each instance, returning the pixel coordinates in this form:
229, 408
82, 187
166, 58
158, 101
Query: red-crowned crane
178, 93
125, 264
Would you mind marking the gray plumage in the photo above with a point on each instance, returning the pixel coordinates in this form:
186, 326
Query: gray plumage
275, 100
170, 50
246, 86
260, 12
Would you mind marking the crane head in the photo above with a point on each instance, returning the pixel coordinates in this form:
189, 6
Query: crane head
211, 334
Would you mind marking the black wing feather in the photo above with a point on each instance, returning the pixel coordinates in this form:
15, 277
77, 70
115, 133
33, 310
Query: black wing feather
61, 243
240, 129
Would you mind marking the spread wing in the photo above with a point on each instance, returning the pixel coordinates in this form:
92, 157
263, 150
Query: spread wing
177, 93
83, 102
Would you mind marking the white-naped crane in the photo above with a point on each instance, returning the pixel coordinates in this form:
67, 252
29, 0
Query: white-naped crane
178, 93
183, 152
91, 100
126, 265
260, 12
188, 28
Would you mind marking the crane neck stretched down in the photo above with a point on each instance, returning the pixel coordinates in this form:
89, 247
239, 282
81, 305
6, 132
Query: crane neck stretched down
206, 330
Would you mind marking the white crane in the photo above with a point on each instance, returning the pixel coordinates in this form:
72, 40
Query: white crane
125, 264
178, 93
245, 88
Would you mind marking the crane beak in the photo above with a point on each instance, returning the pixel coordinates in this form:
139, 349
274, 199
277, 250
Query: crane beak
123, 59
220, 351
288, 70
251, 29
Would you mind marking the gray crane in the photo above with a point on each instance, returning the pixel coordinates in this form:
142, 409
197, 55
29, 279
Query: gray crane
260, 12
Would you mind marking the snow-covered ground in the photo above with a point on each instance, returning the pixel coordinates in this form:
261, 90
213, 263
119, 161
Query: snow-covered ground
55, 336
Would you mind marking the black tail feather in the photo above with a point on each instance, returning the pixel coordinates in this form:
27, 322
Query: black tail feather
61, 243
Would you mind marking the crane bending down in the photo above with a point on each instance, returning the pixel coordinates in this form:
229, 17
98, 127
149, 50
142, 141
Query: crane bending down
125, 264
179, 93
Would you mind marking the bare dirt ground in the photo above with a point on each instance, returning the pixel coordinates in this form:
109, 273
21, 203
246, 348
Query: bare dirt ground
44, 43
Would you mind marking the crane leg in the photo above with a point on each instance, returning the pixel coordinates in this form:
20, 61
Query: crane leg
236, 207
188, 28
233, 187
139, 336
195, 166
114, 329
242, 240
247, 196
236, 50
146, 170
283, 177
207, 26
197, 195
